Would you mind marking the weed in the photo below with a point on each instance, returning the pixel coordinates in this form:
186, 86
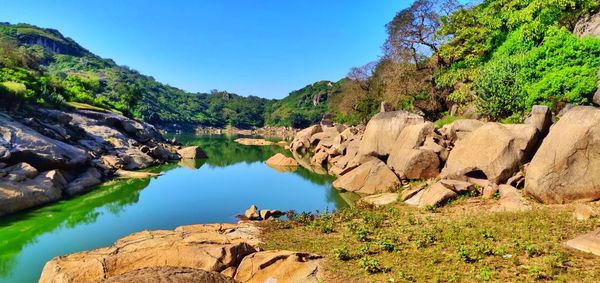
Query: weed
371, 265
485, 273
386, 245
342, 253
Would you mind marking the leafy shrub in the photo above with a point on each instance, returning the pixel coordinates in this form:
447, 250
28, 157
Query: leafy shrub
499, 89
371, 265
342, 253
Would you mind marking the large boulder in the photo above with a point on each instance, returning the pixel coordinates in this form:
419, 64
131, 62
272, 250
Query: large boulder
169, 274
414, 163
84, 182
383, 130
460, 129
302, 141
565, 167
280, 160
369, 178
20, 143
493, 151
191, 152
541, 118
44, 188
280, 266
215, 247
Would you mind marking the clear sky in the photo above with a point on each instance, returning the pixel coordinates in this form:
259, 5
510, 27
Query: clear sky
251, 47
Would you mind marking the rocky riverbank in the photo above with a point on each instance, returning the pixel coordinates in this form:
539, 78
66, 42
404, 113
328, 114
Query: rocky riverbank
47, 154
222, 252
552, 162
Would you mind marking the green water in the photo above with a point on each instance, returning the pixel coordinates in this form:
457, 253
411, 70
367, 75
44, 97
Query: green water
204, 191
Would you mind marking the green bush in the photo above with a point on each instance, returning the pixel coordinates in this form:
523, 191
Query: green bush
499, 89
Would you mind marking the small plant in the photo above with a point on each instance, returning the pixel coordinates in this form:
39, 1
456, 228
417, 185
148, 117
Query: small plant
466, 255
537, 272
386, 245
487, 234
342, 253
423, 239
365, 248
362, 234
531, 250
431, 208
371, 265
496, 196
324, 223
485, 273
373, 219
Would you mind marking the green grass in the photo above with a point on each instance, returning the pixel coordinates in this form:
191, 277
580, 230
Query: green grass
457, 243
445, 121
14, 87
83, 106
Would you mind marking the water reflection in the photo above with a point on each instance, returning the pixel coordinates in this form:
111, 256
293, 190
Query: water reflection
22, 229
190, 191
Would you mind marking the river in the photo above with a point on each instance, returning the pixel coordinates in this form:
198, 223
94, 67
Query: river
212, 190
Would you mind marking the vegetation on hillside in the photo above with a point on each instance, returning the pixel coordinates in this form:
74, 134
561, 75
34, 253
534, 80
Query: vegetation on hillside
41, 66
497, 57
302, 107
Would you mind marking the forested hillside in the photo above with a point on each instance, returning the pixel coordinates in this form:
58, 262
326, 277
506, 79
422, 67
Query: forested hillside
42, 66
493, 59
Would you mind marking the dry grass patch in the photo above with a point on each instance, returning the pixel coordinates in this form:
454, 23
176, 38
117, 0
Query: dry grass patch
457, 243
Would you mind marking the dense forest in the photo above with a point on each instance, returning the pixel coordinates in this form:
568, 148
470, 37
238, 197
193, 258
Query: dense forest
491, 59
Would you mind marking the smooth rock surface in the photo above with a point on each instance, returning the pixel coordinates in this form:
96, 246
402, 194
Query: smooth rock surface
280, 160
383, 130
380, 199
589, 243
565, 167
369, 178
280, 266
213, 247
168, 274
192, 152
494, 150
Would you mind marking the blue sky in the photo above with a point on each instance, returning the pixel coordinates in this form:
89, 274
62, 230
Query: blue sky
251, 47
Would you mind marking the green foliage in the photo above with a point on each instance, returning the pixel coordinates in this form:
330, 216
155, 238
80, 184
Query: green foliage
69, 73
371, 265
498, 89
342, 253
519, 53
302, 107
445, 121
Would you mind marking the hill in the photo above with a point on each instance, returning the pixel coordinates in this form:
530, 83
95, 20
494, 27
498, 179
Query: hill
43, 66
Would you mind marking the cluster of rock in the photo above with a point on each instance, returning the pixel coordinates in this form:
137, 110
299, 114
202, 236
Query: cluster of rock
196, 253
46, 154
554, 163
253, 213
267, 131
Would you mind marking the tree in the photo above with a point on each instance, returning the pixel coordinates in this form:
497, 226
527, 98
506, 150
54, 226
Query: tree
413, 33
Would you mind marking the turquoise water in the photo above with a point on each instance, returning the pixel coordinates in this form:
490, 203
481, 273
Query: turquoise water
205, 191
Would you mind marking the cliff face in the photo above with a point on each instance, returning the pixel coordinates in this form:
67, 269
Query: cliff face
48, 154
588, 25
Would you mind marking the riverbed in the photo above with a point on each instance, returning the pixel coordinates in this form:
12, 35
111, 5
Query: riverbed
213, 190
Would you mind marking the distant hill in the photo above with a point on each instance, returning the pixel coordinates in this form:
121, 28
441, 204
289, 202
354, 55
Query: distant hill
43, 66
303, 107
